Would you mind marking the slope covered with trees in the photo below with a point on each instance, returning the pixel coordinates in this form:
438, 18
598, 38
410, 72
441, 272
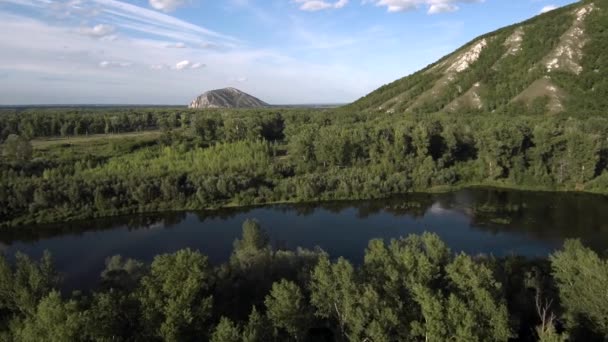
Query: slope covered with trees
410, 289
555, 62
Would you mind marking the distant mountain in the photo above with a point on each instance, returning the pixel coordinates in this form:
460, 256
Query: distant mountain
227, 98
555, 62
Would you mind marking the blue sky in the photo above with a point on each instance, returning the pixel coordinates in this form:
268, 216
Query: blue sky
282, 51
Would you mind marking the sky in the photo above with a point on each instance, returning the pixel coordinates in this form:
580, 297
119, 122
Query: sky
166, 52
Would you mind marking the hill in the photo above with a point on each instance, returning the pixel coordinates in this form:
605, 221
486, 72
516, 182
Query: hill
555, 62
227, 98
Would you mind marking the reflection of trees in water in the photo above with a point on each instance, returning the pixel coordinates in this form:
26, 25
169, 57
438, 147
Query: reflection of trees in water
414, 205
131, 222
543, 215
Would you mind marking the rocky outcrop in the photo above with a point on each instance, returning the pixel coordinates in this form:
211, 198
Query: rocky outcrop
226, 98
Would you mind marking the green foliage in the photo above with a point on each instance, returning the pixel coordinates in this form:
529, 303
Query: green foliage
226, 331
254, 238
24, 285
253, 249
257, 328
334, 293
548, 333
53, 320
581, 277
323, 155
411, 289
502, 80
122, 274
337, 294
286, 309
113, 315
175, 295
17, 148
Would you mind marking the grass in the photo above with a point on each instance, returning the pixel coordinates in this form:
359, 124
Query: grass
43, 144
98, 145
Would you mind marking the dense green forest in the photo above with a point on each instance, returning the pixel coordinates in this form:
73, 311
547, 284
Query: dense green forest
510, 75
503, 121
409, 289
411, 135
182, 159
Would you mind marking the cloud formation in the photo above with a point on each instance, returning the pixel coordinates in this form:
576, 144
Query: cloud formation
188, 65
317, 5
97, 31
68, 42
114, 64
548, 8
434, 6
166, 5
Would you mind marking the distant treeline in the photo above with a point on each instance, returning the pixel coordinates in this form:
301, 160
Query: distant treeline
410, 289
207, 159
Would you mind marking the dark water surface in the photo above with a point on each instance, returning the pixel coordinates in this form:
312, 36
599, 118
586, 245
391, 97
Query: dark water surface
475, 221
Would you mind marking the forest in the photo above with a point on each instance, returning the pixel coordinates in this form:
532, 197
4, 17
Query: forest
59, 165
507, 82
409, 289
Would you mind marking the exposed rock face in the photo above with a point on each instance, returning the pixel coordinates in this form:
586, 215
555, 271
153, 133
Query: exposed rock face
471, 56
226, 98
569, 52
513, 43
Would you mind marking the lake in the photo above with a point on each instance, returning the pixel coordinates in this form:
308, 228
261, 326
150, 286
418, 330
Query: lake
475, 221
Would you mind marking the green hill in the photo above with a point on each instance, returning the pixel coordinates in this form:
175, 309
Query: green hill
555, 62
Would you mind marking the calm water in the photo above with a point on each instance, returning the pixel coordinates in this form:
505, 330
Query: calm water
474, 221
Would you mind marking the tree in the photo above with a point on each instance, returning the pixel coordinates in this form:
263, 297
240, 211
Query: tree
253, 237
23, 288
415, 260
256, 329
470, 308
17, 148
334, 292
175, 296
286, 309
123, 274
113, 316
546, 331
253, 248
226, 331
581, 278
53, 320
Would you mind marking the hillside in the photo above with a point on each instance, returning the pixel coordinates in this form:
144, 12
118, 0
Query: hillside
553, 63
226, 98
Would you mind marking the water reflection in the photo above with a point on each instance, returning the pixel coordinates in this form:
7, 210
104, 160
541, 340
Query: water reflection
474, 221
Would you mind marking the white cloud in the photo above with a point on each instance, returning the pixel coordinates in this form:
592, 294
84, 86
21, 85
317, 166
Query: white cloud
317, 5
131, 17
182, 65
114, 64
134, 69
97, 31
434, 6
159, 66
166, 5
548, 8
241, 79
188, 65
